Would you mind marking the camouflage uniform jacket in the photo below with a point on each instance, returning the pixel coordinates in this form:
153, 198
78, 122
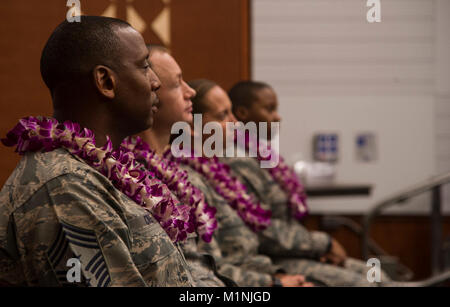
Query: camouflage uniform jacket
285, 237
234, 245
55, 207
202, 264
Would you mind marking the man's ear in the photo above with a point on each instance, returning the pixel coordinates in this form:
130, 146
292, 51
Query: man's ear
241, 113
105, 81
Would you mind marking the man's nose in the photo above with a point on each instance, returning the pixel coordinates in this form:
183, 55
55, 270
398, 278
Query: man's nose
190, 92
155, 83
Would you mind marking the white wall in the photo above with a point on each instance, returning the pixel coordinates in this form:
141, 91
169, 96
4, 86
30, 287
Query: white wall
442, 97
334, 71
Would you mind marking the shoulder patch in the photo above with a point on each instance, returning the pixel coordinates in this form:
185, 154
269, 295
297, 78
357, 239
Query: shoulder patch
85, 246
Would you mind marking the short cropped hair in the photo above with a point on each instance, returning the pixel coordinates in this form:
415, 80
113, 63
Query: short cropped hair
244, 93
74, 49
155, 47
201, 87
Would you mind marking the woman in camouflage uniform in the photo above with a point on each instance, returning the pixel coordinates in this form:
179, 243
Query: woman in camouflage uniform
289, 244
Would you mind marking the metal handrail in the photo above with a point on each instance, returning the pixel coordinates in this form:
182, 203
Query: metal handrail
434, 184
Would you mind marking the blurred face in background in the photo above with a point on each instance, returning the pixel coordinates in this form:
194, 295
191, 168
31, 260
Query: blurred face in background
217, 109
263, 109
174, 94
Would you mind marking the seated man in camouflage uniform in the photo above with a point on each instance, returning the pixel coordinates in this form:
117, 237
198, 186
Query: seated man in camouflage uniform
56, 210
312, 253
174, 105
240, 262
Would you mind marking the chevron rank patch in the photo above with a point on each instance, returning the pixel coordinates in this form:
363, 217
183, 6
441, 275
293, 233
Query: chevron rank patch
58, 255
85, 246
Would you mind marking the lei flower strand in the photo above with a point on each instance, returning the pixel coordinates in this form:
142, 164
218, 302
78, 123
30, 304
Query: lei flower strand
119, 166
177, 181
231, 189
285, 176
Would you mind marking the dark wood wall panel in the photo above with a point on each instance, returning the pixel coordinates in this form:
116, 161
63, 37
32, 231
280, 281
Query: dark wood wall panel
24, 29
213, 41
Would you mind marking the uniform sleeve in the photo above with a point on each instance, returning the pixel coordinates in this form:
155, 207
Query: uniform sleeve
68, 233
283, 237
11, 271
253, 273
244, 277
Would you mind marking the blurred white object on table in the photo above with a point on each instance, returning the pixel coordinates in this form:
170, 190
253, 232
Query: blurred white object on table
315, 173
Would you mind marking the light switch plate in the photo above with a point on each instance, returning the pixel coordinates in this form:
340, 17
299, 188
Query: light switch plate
366, 147
325, 147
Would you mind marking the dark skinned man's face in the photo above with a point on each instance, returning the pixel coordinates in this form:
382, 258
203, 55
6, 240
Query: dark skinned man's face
137, 83
263, 109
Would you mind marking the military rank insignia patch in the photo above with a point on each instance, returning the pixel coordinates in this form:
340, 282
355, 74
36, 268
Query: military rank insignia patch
74, 245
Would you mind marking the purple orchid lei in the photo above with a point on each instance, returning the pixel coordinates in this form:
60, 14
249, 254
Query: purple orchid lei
285, 176
177, 181
231, 189
33, 134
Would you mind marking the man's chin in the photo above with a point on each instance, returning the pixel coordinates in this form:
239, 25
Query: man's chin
188, 119
150, 121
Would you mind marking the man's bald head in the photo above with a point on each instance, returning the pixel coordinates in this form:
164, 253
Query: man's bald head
74, 49
98, 73
157, 48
